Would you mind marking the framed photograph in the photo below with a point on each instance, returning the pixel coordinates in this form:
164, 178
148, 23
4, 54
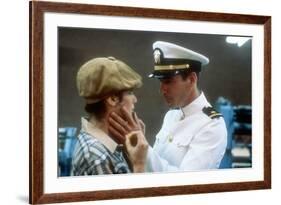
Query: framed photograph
236, 81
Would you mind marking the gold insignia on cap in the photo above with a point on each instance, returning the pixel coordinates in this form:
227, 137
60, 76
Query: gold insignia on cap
157, 57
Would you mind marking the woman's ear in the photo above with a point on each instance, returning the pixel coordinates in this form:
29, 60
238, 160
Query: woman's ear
112, 100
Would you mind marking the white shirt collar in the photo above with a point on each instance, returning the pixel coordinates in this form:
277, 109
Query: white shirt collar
196, 105
93, 130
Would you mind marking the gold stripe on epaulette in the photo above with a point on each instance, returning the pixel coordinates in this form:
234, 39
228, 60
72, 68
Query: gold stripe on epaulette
215, 115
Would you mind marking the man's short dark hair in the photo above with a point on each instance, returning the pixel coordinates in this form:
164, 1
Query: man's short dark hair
185, 74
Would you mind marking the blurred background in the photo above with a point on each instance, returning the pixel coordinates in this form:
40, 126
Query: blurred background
225, 81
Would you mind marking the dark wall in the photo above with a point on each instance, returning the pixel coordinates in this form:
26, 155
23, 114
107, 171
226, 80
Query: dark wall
228, 74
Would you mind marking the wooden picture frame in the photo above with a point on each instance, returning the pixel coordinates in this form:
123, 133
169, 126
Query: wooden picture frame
36, 190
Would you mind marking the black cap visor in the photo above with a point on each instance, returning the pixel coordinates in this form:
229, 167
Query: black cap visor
162, 74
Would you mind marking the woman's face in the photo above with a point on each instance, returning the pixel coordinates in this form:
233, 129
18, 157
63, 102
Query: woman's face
128, 101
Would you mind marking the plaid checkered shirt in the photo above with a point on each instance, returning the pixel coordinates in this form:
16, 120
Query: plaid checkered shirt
96, 153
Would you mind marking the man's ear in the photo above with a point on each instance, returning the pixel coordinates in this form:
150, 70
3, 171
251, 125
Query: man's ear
112, 100
193, 78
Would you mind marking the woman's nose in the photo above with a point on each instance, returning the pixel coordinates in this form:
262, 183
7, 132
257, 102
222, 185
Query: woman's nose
135, 99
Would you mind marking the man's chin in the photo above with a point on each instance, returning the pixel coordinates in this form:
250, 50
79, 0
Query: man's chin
170, 105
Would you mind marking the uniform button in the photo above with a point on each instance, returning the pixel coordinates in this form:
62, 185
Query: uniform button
170, 138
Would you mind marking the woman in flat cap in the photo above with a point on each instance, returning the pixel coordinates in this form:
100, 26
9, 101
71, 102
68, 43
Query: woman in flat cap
107, 85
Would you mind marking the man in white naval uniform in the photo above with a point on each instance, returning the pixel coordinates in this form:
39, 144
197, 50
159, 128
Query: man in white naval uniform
193, 135
189, 139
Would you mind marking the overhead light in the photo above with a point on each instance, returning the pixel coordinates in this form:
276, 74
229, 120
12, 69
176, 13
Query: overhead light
237, 40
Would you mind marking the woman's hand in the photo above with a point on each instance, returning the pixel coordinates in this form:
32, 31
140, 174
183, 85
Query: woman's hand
137, 146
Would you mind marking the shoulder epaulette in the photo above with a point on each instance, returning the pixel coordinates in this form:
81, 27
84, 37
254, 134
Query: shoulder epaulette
211, 112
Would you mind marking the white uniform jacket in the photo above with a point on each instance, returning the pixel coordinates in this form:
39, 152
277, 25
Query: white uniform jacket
190, 139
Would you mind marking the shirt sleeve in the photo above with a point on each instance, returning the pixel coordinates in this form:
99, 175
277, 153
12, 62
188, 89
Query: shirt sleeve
155, 163
204, 152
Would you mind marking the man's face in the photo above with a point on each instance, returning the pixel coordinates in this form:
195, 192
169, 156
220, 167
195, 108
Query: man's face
176, 91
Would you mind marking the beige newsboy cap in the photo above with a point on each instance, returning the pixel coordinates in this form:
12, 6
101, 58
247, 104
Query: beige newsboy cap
101, 77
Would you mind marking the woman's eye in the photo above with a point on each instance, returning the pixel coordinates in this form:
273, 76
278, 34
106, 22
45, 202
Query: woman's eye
130, 92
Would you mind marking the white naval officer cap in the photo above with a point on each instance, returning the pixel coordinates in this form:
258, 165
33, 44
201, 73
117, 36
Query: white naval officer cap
171, 59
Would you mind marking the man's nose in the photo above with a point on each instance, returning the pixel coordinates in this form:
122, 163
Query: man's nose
162, 88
